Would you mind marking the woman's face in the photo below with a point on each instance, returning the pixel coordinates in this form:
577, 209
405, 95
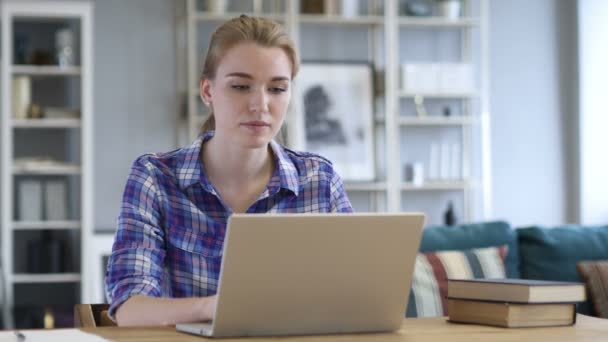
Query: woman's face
250, 94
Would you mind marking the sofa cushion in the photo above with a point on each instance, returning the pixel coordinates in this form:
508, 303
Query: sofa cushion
478, 235
552, 253
428, 296
595, 274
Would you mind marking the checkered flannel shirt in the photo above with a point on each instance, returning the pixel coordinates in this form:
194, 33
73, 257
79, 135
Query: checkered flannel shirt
172, 222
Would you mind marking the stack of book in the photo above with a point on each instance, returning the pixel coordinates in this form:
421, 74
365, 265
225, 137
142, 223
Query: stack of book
514, 302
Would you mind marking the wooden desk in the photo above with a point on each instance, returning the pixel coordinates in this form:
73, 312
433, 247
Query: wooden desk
414, 329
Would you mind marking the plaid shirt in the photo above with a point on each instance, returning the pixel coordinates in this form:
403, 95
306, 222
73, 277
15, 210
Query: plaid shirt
172, 222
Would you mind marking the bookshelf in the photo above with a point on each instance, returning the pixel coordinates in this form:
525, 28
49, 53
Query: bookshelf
46, 228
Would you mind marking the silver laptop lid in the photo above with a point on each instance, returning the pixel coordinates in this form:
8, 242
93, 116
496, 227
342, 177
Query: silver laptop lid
299, 274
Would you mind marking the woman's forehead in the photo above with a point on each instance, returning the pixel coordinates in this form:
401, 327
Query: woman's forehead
255, 61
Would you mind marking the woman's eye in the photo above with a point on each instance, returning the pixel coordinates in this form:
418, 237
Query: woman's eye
277, 90
240, 87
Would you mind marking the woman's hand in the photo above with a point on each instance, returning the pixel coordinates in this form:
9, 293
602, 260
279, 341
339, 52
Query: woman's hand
141, 310
208, 308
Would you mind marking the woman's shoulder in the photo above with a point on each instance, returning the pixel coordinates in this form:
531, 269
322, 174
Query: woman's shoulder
308, 163
162, 163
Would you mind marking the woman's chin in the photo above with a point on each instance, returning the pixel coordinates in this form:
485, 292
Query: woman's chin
258, 141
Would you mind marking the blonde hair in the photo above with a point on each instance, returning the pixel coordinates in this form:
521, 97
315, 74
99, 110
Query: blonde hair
244, 29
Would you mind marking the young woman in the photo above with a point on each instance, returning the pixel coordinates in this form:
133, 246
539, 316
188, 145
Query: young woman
166, 257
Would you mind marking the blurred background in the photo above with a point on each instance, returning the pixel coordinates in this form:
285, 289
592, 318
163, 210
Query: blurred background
467, 110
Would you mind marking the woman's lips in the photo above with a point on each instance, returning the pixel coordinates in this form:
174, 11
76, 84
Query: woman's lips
256, 126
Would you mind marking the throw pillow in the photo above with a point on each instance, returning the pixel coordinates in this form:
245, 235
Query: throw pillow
428, 296
595, 274
552, 253
474, 235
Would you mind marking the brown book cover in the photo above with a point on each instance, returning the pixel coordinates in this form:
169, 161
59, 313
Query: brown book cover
516, 290
511, 315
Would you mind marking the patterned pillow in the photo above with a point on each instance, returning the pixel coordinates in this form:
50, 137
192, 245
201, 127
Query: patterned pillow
428, 296
595, 274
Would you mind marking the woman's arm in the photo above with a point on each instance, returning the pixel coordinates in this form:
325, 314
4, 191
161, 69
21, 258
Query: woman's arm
143, 310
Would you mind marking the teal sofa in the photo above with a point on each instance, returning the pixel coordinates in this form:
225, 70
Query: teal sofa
546, 253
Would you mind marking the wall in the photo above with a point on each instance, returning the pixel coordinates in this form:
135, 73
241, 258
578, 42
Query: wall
135, 99
531, 66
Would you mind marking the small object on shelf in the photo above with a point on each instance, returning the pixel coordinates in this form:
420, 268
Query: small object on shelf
49, 319
434, 161
30, 200
21, 47
420, 77
45, 254
420, 110
60, 113
35, 111
216, 7
42, 57
449, 9
375, 7
414, 173
445, 161
418, 8
455, 78
56, 200
350, 8
447, 111
312, 6
64, 47
22, 96
330, 7
449, 217
455, 161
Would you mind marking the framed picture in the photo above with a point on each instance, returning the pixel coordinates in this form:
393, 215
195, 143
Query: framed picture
336, 103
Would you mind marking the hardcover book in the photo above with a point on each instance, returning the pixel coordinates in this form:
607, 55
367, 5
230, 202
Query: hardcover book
516, 290
511, 315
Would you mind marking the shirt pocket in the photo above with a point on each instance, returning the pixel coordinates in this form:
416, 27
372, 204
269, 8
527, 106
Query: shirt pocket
204, 244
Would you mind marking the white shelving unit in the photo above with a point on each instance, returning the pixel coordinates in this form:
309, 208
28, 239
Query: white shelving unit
45, 70
384, 32
472, 186
80, 172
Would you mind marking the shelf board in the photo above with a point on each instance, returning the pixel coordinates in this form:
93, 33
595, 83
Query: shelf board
340, 20
46, 278
435, 121
47, 170
47, 123
365, 186
45, 70
35, 225
437, 95
437, 22
208, 16
436, 186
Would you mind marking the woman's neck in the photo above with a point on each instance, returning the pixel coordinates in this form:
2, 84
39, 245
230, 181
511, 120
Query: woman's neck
229, 166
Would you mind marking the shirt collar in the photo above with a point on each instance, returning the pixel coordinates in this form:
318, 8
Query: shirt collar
288, 173
189, 169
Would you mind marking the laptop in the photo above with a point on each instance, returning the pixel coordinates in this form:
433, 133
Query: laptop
307, 274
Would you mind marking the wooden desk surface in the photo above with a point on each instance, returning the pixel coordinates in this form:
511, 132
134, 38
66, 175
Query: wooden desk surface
414, 329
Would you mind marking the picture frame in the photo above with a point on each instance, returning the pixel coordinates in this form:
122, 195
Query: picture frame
336, 103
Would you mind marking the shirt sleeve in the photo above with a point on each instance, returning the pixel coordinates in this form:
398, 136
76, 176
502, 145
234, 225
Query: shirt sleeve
135, 266
339, 202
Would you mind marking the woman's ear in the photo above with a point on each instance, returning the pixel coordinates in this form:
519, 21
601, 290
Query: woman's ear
205, 91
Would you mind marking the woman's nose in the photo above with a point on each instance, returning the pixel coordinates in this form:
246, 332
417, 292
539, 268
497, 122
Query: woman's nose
259, 101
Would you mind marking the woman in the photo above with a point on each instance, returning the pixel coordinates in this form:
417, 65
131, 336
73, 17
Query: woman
166, 258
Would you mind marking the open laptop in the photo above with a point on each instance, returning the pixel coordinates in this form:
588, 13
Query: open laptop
304, 274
